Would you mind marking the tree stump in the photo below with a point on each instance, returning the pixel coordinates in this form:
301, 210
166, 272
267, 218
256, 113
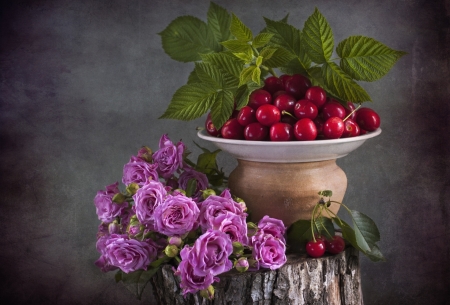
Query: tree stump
331, 279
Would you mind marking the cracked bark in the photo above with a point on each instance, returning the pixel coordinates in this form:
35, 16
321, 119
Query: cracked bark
329, 280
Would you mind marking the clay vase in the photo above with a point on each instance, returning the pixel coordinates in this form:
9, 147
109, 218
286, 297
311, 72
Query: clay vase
287, 191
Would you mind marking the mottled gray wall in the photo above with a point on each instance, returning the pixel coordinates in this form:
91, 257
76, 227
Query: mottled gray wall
82, 86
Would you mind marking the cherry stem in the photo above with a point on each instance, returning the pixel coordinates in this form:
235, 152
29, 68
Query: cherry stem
288, 113
350, 114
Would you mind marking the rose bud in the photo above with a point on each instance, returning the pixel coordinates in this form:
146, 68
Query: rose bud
241, 264
132, 188
114, 227
207, 293
252, 228
119, 198
175, 240
238, 248
171, 250
207, 193
145, 154
241, 202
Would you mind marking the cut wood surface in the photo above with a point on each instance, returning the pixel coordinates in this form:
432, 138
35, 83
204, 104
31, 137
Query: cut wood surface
331, 279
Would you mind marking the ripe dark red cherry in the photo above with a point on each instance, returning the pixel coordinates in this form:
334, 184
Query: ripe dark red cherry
297, 85
333, 128
305, 130
281, 132
284, 78
305, 109
333, 109
286, 118
246, 116
367, 119
268, 114
273, 84
316, 95
232, 130
256, 132
334, 245
351, 129
319, 125
349, 109
315, 248
258, 98
210, 128
285, 102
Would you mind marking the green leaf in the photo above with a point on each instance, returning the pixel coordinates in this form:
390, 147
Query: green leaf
246, 75
191, 187
280, 57
209, 75
240, 30
137, 280
226, 62
325, 226
219, 21
375, 254
326, 193
261, 40
318, 38
342, 85
256, 75
366, 59
247, 57
222, 108
299, 232
267, 53
190, 102
193, 78
206, 162
237, 46
365, 229
186, 37
243, 93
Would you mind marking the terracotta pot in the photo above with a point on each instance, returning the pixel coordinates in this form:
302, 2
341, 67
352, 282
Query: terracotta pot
282, 179
287, 191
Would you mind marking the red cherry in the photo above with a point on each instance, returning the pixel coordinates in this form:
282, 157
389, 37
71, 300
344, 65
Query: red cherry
297, 85
351, 129
281, 132
232, 130
333, 128
335, 245
285, 102
286, 118
284, 78
316, 95
333, 109
367, 119
273, 84
246, 116
305, 130
349, 109
276, 94
256, 132
318, 121
315, 248
259, 97
305, 109
210, 128
268, 114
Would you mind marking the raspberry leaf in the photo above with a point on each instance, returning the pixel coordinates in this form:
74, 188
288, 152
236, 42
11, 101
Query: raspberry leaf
226, 63
342, 85
318, 38
190, 102
240, 30
243, 93
219, 21
186, 37
365, 58
222, 107
237, 46
261, 40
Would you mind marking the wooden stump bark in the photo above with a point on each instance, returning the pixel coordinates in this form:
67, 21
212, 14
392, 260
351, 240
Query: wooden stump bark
331, 279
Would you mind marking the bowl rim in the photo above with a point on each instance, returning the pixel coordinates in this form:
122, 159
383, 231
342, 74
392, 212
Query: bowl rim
203, 135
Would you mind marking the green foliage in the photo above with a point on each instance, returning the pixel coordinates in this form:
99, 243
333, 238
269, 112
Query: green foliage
231, 61
363, 235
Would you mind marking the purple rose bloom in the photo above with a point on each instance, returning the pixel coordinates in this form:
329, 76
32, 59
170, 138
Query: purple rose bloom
177, 215
235, 226
210, 253
268, 251
106, 209
191, 282
273, 226
146, 199
138, 171
200, 178
127, 254
169, 158
214, 206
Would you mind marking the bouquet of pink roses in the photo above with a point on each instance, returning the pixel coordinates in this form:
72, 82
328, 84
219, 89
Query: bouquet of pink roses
170, 213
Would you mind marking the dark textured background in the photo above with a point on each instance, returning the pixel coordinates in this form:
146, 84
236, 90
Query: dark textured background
82, 86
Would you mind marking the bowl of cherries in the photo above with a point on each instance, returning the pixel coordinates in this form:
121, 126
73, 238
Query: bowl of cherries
290, 120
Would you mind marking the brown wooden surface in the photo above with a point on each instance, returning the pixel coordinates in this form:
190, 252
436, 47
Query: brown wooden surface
332, 279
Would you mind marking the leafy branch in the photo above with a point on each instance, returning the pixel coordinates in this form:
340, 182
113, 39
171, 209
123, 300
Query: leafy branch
231, 62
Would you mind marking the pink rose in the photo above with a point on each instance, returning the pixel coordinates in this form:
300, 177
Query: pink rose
138, 171
169, 157
106, 209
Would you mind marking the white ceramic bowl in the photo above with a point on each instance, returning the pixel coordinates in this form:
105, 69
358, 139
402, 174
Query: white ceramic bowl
289, 151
